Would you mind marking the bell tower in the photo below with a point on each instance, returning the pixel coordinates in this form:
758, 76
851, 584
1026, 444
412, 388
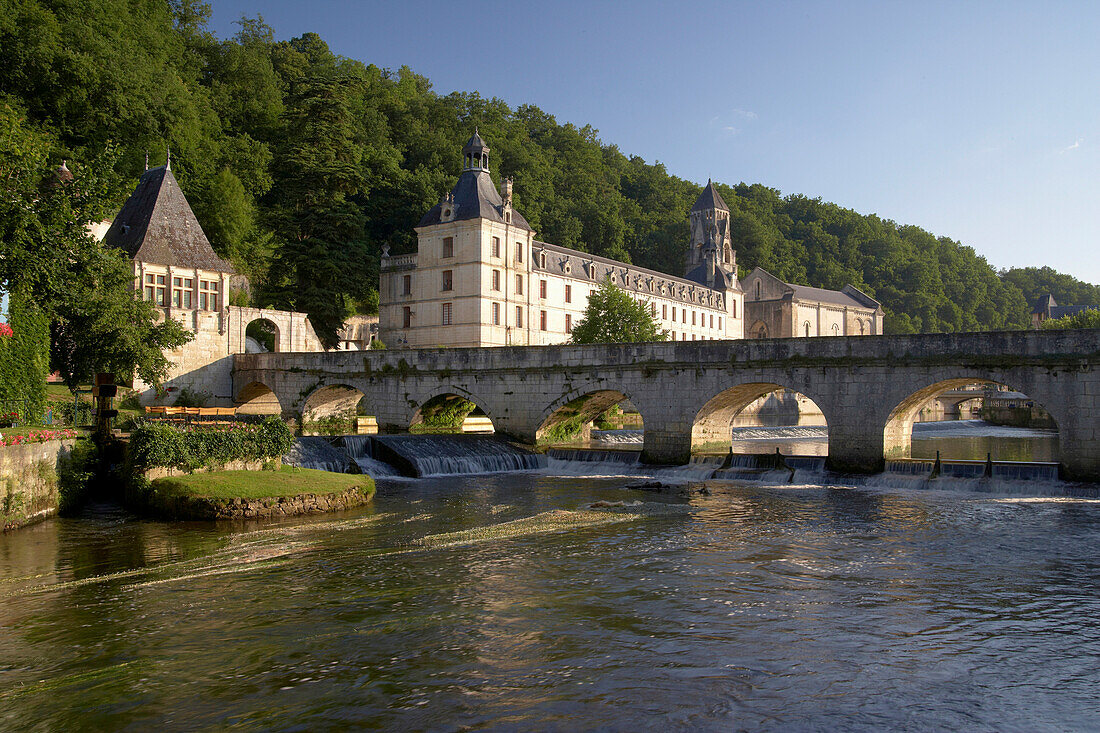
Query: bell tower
711, 247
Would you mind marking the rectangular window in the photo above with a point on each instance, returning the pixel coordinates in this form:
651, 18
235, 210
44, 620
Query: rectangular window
446, 314
496, 314
568, 293
519, 284
496, 246
448, 279
693, 318
519, 316
496, 279
542, 260
664, 311
684, 337
542, 320
406, 284
542, 289
734, 310
406, 317
712, 320
569, 323
519, 251
212, 288
448, 246
674, 314
719, 323
653, 309
673, 335
149, 293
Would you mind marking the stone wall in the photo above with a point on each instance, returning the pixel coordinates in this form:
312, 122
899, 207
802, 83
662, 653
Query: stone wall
29, 481
191, 508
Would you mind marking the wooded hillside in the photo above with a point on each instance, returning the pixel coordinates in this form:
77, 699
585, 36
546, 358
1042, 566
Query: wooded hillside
300, 164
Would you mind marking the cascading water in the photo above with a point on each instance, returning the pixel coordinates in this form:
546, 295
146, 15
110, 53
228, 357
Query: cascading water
314, 452
360, 449
442, 455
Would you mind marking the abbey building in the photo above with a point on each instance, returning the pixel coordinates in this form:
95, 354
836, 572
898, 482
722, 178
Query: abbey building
481, 278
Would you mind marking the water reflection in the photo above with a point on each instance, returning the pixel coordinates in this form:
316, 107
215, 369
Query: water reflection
782, 607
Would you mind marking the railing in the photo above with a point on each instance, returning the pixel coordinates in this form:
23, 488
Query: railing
399, 262
17, 413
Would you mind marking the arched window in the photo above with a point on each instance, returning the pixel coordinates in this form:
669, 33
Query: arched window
806, 326
862, 330
758, 290
836, 329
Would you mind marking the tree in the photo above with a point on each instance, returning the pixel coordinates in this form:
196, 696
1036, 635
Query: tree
1088, 318
100, 326
613, 316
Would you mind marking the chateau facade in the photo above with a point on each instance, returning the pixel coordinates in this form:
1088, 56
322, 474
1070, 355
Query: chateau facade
481, 278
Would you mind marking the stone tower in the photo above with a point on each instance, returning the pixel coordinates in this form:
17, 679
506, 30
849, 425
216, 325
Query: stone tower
711, 260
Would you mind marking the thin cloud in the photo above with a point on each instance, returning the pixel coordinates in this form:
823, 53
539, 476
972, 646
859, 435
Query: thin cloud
731, 129
1076, 144
745, 114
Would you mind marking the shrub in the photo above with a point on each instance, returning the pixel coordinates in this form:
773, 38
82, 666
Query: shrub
193, 447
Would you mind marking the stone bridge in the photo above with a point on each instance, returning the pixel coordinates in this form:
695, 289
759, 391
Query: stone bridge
869, 388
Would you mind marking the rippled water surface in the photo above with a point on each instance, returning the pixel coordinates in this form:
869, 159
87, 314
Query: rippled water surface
505, 602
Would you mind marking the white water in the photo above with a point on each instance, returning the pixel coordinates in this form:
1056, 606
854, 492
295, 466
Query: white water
953, 428
318, 453
358, 449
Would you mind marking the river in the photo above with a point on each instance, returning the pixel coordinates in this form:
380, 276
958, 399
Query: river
505, 602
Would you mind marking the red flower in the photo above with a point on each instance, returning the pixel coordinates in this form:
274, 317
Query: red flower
5, 330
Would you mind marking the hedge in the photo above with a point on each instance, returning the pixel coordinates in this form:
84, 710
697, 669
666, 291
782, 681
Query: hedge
25, 357
191, 448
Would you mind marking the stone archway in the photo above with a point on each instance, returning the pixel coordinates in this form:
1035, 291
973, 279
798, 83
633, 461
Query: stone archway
256, 398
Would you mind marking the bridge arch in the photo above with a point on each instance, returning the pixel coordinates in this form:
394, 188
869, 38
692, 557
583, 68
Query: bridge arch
566, 418
333, 403
438, 403
714, 420
256, 398
898, 429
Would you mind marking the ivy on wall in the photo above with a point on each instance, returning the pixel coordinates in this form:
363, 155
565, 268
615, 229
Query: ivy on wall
25, 356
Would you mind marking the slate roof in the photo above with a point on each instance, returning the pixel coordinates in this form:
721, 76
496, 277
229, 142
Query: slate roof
475, 197
1044, 304
475, 144
156, 225
834, 297
710, 199
586, 266
1061, 311
850, 296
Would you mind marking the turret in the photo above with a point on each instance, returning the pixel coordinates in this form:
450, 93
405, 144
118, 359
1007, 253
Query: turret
476, 154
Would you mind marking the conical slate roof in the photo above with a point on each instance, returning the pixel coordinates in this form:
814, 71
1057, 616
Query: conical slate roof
156, 225
710, 199
475, 144
475, 197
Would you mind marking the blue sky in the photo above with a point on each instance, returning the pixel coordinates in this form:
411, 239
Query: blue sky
977, 121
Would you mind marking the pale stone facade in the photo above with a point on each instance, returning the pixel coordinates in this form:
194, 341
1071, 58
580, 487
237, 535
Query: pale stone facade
481, 278
775, 309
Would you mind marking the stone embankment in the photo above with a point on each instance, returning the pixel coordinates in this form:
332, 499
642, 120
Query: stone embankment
202, 508
29, 490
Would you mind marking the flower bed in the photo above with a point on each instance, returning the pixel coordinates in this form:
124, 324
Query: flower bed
36, 436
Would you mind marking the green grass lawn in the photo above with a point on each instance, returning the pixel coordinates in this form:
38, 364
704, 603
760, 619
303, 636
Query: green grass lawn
287, 481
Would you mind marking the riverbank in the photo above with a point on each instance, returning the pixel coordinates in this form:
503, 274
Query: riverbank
253, 494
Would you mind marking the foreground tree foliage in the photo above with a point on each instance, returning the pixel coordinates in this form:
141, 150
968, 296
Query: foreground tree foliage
79, 291
301, 164
613, 316
1088, 318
